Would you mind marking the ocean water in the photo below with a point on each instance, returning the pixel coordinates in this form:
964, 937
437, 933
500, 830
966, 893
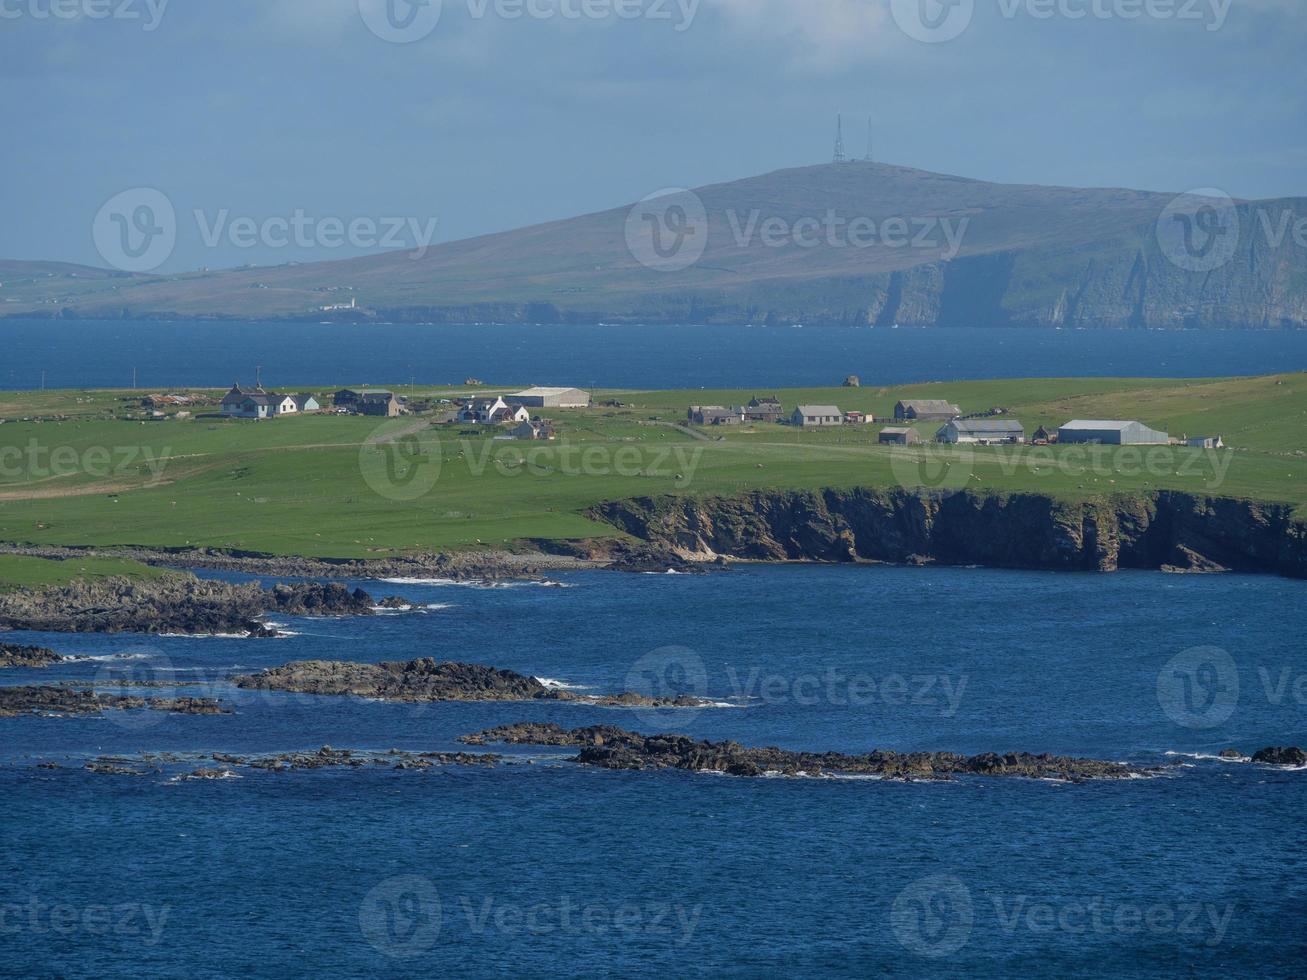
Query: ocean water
83, 354
542, 868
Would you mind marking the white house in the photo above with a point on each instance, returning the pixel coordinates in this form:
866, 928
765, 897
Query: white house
810, 416
284, 405
492, 411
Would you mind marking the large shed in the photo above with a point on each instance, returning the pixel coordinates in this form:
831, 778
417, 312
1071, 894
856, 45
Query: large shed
817, 415
982, 431
925, 410
550, 398
1111, 433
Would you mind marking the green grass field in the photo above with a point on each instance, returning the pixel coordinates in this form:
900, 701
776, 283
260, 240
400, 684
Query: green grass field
20, 572
337, 486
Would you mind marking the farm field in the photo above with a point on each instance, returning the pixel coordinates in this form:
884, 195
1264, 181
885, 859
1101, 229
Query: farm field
83, 468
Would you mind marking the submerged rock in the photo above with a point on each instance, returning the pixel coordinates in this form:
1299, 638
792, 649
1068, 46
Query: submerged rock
612, 748
429, 679
1282, 756
16, 701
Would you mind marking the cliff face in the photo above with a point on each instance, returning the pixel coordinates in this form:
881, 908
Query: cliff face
1162, 530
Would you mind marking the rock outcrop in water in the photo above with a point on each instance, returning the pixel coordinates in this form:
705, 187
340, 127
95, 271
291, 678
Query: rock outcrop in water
613, 748
17, 701
30, 657
1162, 530
174, 604
1282, 756
428, 679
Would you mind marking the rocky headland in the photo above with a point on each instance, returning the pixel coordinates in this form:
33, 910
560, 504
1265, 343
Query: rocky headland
612, 748
428, 679
61, 700
174, 604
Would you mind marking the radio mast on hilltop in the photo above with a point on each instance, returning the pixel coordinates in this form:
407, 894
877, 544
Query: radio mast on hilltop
840, 157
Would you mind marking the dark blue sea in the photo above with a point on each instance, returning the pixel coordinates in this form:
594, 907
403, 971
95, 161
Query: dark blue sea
86, 354
541, 868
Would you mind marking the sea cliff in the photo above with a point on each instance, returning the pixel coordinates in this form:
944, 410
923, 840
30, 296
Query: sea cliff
1163, 530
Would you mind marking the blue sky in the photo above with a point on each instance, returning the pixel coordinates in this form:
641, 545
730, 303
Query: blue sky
259, 109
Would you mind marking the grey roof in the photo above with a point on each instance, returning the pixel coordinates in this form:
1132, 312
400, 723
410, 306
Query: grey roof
806, 410
987, 425
1098, 424
896, 430
931, 405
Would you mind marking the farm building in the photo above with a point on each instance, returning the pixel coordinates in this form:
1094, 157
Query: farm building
550, 398
1206, 442
810, 416
304, 402
1044, 436
982, 432
1111, 433
925, 410
899, 436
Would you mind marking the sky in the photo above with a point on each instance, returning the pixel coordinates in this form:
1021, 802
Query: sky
268, 126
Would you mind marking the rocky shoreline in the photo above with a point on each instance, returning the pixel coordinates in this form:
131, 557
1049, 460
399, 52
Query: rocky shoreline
28, 657
430, 680
174, 604
607, 747
66, 701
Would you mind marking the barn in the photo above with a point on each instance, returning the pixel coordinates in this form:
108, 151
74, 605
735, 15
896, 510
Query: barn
925, 410
983, 432
550, 398
1111, 433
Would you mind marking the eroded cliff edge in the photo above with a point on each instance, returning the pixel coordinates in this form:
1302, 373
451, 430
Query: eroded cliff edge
1162, 530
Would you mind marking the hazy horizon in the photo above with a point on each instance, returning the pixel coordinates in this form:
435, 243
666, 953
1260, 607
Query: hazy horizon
483, 121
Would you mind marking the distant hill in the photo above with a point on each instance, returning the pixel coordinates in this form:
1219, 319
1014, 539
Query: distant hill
856, 243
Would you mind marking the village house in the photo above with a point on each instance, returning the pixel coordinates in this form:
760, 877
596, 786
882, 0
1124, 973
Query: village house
810, 416
380, 403
925, 410
715, 415
899, 436
982, 432
541, 430
550, 398
765, 409
304, 402
1111, 433
492, 411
